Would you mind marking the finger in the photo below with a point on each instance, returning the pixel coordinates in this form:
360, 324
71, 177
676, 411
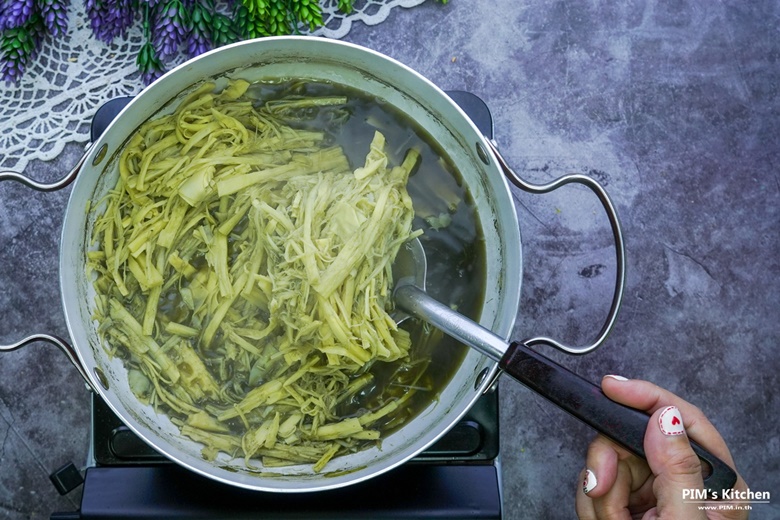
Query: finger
602, 459
643, 498
614, 504
583, 504
648, 397
674, 464
623, 480
601, 467
615, 480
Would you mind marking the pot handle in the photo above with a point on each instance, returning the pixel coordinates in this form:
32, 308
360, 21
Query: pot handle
588, 403
54, 186
58, 342
46, 187
620, 248
571, 392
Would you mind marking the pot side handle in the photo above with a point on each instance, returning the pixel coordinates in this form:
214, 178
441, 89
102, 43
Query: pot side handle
46, 187
620, 248
58, 342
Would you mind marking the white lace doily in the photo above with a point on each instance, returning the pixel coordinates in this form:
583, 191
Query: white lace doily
74, 75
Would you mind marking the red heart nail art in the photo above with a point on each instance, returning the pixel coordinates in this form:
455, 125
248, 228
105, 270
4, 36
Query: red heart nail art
670, 421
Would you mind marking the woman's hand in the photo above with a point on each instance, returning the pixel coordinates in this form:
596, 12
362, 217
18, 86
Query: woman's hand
617, 484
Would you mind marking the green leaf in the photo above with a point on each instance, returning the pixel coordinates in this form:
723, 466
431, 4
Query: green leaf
345, 6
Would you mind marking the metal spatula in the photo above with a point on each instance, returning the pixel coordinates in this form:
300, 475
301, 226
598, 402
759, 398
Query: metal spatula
564, 388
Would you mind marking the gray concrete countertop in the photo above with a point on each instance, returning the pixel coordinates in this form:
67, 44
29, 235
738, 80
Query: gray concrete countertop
672, 104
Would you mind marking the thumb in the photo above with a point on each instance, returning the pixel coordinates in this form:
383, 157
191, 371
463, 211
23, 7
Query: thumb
674, 464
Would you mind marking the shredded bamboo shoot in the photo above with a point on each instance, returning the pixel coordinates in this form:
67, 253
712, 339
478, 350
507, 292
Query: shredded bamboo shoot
244, 271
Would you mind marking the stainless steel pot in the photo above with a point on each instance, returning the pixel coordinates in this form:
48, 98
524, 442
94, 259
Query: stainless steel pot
476, 158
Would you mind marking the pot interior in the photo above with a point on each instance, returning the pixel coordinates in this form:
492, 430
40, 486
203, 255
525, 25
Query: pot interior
321, 60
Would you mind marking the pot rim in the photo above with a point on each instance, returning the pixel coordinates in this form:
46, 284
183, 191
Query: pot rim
152, 100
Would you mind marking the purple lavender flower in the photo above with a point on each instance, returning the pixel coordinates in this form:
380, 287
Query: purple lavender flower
109, 18
149, 64
199, 38
11, 70
152, 74
19, 46
170, 29
5, 8
16, 13
198, 43
55, 16
96, 12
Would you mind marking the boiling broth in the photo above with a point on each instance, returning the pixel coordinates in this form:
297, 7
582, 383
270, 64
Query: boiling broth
445, 212
444, 209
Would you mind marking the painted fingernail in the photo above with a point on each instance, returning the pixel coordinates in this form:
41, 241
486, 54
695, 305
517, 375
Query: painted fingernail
671, 422
616, 378
589, 482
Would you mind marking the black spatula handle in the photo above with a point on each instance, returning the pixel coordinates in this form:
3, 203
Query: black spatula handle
587, 402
